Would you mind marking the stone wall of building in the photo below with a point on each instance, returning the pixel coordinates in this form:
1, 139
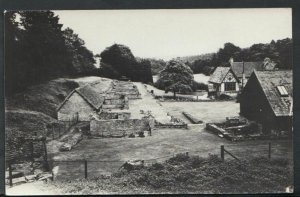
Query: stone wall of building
114, 115
116, 127
76, 104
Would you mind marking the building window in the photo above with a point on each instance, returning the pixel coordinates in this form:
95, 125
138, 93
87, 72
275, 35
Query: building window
282, 91
229, 86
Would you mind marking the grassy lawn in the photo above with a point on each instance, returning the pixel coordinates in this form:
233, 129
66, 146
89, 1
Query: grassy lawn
205, 111
164, 143
113, 152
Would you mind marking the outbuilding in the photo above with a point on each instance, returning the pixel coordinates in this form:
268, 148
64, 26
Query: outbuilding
267, 98
82, 103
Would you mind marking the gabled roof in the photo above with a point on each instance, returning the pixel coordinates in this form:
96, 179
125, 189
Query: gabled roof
269, 81
88, 94
249, 67
219, 74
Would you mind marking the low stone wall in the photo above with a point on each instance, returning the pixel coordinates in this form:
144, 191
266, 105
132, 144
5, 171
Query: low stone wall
214, 128
117, 127
116, 106
191, 118
114, 115
176, 126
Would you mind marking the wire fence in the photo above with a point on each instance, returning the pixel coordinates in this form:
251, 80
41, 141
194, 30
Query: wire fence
95, 168
90, 168
55, 131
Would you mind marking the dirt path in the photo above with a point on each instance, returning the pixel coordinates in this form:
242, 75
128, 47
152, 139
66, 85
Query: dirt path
147, 103
34, 188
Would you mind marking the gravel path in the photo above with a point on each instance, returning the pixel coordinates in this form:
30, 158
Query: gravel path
147, 103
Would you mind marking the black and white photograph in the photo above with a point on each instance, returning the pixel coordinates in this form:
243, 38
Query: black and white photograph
148, 101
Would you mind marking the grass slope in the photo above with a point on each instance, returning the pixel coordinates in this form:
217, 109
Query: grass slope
191, 174
44, 98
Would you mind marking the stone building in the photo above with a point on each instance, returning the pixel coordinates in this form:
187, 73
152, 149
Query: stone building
83, 102
267, 98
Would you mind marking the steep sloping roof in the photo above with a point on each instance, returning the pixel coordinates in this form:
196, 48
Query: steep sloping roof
93, 97
237, 68
88, 94
219, 74
269, 80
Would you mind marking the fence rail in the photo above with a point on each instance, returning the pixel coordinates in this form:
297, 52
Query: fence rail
230, 153
55, 131
88, 168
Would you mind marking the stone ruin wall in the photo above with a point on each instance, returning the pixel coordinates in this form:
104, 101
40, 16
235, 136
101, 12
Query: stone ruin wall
117, 127
107, 115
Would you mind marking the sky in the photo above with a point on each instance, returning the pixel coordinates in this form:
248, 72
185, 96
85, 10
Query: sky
167, 34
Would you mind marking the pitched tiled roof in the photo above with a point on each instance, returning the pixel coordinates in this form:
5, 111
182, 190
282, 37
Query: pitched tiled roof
269, 80
237, 68
88, 94
219, 74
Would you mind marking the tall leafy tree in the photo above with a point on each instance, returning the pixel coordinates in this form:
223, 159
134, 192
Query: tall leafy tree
45, 47
118, 60
82, 59
176, 77
13, 63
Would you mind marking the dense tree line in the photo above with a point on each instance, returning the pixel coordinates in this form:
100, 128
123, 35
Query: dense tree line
156, 65
118, 61
37, 50
279, 51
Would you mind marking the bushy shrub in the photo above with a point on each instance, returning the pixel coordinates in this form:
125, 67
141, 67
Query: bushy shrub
141, 134
196, 161
253, 127
184, 175
214, 158
179, 158
157, 166
225, 97
131, 135
199, 86
71, 84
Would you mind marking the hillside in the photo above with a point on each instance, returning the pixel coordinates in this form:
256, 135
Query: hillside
35, 108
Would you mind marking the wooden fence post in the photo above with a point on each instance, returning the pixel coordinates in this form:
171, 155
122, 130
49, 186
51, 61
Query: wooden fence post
46, 156
269, 155
32, 152
10, 174
58, 131
85, 169
222, 152
52, 132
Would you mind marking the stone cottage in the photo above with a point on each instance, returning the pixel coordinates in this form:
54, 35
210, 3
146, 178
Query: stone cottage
268, 99
223, 81
84, 102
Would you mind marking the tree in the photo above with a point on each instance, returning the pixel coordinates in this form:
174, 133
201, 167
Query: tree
82, 59
119, 60
46, 53
13, 54
176, 77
